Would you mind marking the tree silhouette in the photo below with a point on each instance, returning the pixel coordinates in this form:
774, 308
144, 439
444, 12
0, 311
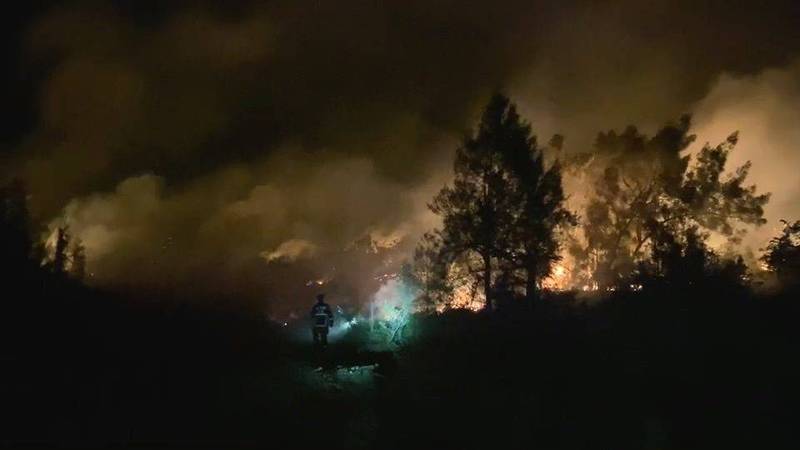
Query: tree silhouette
477, 210
77, 256
683, 257
60, 250
782, 254
645, 188
429, 271
541, 213
502, 211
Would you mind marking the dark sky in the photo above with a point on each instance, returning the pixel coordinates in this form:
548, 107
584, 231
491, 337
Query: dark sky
191, 141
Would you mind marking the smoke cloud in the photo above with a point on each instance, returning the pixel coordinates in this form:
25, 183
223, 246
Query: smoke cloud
766, 109
239, 149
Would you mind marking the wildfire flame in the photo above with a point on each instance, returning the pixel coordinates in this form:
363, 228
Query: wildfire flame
319, 282
464, 297
558, 279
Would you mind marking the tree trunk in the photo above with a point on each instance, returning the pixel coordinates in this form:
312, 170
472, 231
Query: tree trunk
531, 293
487, 282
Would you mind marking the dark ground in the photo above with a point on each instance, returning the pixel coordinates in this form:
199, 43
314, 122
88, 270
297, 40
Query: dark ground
670, 370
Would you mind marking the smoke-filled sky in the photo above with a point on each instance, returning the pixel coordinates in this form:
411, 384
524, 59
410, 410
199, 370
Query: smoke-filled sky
204, 144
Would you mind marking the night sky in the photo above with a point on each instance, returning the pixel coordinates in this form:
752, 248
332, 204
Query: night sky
241, 147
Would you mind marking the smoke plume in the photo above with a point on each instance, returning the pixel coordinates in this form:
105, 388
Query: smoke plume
238, 149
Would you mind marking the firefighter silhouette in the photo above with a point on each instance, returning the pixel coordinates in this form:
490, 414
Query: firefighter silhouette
321, 321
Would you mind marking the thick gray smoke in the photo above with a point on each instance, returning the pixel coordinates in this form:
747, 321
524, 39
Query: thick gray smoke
215, 147
765, 107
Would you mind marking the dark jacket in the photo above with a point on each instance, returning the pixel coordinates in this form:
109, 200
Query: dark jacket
321, 315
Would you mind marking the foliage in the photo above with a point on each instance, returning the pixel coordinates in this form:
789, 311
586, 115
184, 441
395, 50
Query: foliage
541, 214
60, 257
782, 254
429, 272
646, 190
477, 209
77, 257
500, 215
685, 260
20, 256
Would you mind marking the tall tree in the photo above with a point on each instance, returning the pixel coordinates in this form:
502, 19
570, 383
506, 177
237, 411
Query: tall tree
542, 212
645, 187
77, 257
429, 272
501, 214
782, 254
477, 210
60, 250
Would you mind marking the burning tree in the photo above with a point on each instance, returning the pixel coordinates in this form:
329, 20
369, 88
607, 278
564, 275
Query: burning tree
540, 215
77, 256
500, 215
429, 272
60, 257
782, 254
646, 190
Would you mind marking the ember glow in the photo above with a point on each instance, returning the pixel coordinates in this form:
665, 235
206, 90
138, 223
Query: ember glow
558, 279
464, 297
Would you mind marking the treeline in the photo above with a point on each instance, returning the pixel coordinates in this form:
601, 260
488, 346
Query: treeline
23, 255
647, 215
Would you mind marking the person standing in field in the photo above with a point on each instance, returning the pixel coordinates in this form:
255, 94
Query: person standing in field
321, 321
